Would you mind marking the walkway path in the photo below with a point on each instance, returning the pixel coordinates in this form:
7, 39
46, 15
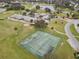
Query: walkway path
59, 32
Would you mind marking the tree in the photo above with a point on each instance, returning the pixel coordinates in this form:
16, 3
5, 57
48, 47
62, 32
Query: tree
31, 20
76, 55
78, 25
40, 24
24, 13
52, 28
68, 15
15, 28
48, 10
67, 4
37, 7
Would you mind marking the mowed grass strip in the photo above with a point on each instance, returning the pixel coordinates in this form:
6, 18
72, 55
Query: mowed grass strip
74, 32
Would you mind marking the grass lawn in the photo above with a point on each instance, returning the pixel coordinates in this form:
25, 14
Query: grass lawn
64, 51
9, 40
9, 47
73, 30
28, 5
61, 15
58, 26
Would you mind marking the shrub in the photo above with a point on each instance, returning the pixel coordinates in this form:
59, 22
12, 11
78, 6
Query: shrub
27, 10
75, 16
67, 4
6, 5
1, 19
16, 8
22, 7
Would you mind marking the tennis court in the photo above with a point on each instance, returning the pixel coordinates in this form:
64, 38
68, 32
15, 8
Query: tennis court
40, 43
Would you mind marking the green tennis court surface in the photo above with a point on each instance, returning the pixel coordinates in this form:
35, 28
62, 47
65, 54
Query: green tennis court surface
40, 43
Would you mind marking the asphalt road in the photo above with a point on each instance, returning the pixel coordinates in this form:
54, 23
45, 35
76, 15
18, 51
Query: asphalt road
72, 40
